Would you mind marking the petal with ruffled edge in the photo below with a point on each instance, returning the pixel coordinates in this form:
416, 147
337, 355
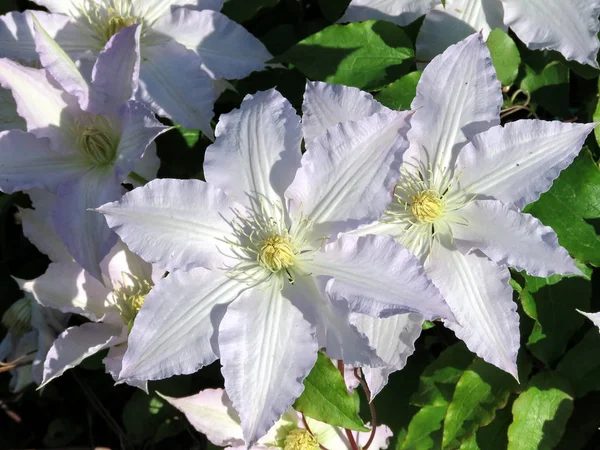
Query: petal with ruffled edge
82, 230
568, 27
348, 175
458, 96
519, 161
378, 277
175, 331
400, 12
267, 349
594, 317
393, 338
226, 49
326, 105
479, 294
173, 83
509, 237
444, 26
177, 224
257, 150
77, 343
113, 364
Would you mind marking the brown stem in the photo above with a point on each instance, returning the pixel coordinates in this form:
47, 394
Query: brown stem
365, 387
353, 445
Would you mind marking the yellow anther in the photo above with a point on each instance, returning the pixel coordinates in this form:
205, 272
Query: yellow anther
96, 139
426, 206
17, 318
276, 253
300, 439
130, 297
116, 23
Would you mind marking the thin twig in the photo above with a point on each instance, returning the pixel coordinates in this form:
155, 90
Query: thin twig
340, 365
365, 387
13, 415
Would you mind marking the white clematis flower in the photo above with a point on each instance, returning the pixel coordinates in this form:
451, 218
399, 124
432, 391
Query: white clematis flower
211, 412
568, 26
465, 180
185, 46
111, 306
594, 317
83, 139
261, 225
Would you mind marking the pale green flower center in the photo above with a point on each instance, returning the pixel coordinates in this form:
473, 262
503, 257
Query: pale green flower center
17, 318
130, 297
116, 23
96, 139
427, 206
276, 252
300, 439
105, 18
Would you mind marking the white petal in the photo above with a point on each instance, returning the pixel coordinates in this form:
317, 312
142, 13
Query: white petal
444, 26
394, 341
326, 105
59, 6
175, 331
511, 238
122, 261
227, 50
267, 349
77, 343
381, 440
155, 9
570, 27
175, 223
113, 364
594, 317
8, 111
173, 83
348, 175
480, 296
147, 166
401, 12
458, 96
211, 413
257, 150
518, 162
379, 277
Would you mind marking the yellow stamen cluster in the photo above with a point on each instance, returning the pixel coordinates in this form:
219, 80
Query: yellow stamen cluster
17, 318
105, 18
96, 139
116, 23
426, 206
276, 253
300, 439
130, 297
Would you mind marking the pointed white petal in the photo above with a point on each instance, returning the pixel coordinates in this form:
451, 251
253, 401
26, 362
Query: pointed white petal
173, 83
401, 12
227, 50
267, 349
594, 317
257, 150
518, 162
511, 238
569, 27
393, 338
444, 26
184, 220
379, 277
458, 96
211, 413
114, 362
326, 105
175, 331
348, 175
480, 296
381, 441
60, 6
121, 261
77, 343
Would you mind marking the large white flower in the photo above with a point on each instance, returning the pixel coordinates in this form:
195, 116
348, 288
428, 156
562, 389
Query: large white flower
83, 139
457, 205
211, 412
185, 46
568, 26
263, 225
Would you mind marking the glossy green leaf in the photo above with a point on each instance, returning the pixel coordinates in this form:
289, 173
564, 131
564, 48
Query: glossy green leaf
540, 414
400, 94
368, 55
191, 136
596, 117
425, 429
326, 397
581, 364
505, 56
147, 418
495, 435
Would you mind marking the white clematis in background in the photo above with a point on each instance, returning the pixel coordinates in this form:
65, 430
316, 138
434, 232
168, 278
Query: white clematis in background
464, 181
211, 412
256, 270
83, 139
594, 317
111, 306
568, 26
185, 46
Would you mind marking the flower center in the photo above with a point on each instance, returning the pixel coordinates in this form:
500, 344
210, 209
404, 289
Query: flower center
105, 18
96, 139
300, 439
276, 253
116, 23
130, 296
426, 206
17, 318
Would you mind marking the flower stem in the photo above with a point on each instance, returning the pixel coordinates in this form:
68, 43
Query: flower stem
351, 439
365, 387
137, 178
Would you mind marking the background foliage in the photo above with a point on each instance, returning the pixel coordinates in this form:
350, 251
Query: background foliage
445, 397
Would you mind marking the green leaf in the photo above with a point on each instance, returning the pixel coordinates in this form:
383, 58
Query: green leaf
400, 94
333, 9
191, 136
540, 414
494, 436
326, 398
481, 390
368, 55
596, 116
581, 364
505, 56
243, 10
148, 418
425, 429
572, 207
